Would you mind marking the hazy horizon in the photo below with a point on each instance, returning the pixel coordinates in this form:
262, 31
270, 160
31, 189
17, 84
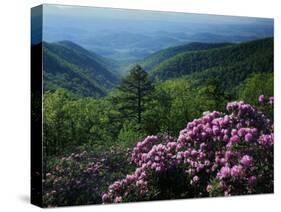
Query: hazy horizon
128, 35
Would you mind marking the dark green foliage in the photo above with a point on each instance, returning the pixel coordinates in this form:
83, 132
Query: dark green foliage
169, 185
75, 69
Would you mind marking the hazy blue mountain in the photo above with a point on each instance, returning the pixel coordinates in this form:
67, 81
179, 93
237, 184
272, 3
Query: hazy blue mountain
131, 35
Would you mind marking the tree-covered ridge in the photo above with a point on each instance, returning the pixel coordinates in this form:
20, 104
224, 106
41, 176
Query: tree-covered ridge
79, 71
84, 73
156, 58
110, 64
256, 56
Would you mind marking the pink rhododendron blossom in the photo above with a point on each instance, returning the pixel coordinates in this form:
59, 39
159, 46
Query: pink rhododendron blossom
248, 137
224, 172
261, 98
246, 160
236, 170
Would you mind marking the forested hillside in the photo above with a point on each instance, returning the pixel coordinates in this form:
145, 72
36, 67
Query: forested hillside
81, 72
229, 65
155, 59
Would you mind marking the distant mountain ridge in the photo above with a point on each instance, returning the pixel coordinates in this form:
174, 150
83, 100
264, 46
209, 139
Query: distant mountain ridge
81, 72
129, 36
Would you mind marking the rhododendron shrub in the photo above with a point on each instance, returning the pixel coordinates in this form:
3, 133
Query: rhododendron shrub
219, 154
81, 177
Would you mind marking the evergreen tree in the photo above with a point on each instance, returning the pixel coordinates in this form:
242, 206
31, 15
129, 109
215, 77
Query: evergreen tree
134, 90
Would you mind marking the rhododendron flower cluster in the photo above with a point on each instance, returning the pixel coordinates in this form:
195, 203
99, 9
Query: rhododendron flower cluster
220, 153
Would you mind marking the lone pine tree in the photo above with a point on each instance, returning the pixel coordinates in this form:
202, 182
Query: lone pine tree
135, 90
